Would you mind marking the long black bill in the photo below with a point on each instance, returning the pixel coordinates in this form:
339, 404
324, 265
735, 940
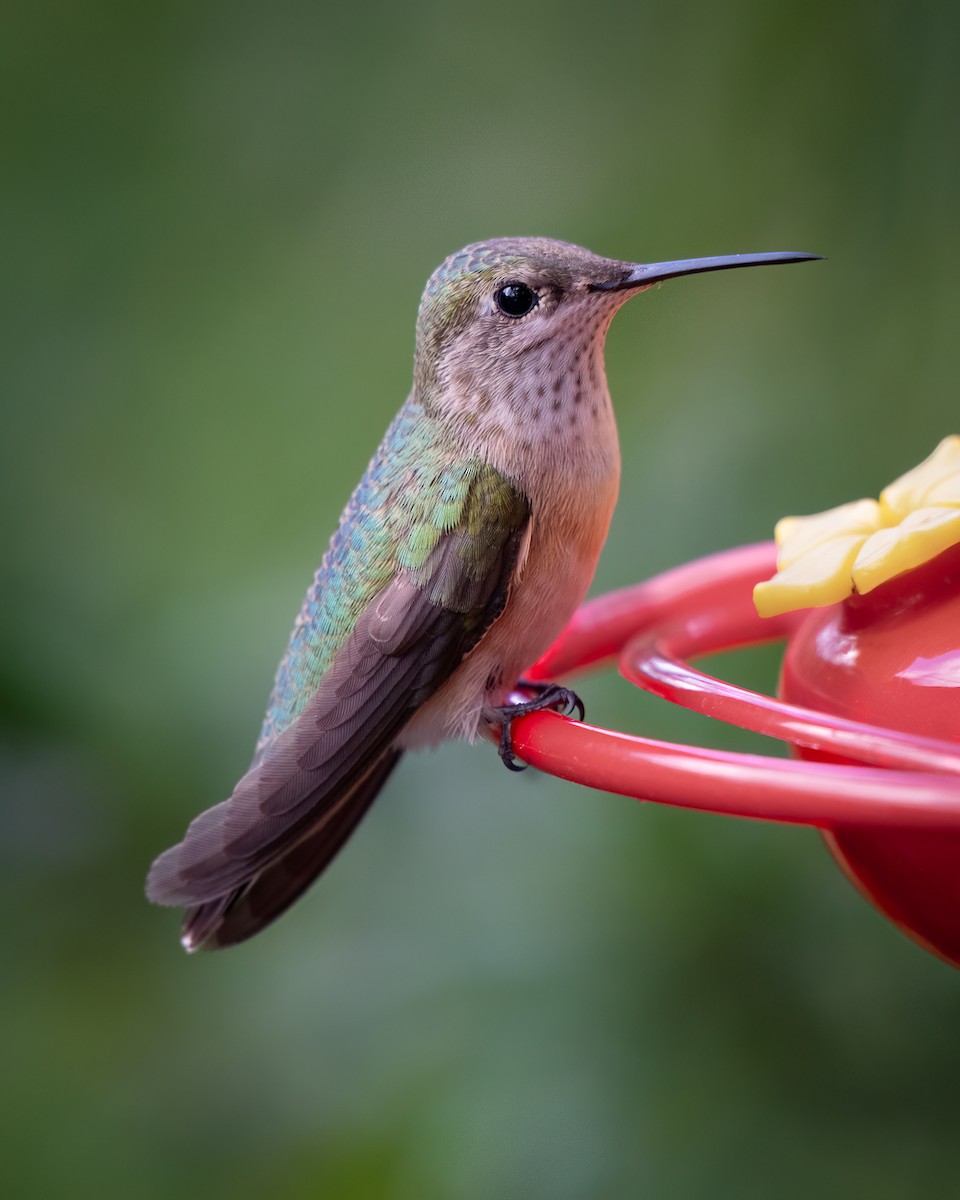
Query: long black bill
644, 274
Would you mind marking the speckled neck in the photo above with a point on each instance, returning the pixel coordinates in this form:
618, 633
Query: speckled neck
540, 412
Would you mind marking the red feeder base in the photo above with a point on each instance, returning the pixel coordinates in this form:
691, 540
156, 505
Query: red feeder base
871, 703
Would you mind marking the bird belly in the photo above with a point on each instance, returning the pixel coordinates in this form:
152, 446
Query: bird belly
552, 582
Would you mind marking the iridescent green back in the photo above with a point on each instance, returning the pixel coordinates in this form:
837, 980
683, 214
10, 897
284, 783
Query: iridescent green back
413, 492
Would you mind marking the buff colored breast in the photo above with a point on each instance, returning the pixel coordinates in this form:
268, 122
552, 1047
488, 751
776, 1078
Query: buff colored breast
573, 501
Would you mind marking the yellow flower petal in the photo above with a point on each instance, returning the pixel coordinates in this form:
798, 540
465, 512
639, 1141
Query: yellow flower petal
920, 536
858, 546
945, 494
821, 576
797, 536
912, 490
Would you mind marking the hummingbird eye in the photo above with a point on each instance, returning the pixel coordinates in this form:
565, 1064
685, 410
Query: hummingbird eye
516, 299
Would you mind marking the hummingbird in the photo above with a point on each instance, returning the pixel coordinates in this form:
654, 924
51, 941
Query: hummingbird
461, 555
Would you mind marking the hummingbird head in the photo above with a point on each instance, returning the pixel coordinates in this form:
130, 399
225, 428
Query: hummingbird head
517, 325
511, 303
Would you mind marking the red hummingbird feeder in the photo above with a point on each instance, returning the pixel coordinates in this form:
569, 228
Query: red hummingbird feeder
868, 600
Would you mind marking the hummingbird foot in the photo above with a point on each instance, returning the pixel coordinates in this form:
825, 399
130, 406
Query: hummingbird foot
547, 695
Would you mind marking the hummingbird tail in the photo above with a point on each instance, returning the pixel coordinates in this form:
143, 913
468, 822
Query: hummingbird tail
248, 909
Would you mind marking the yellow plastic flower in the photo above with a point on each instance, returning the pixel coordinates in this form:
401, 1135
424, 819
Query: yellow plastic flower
856, 547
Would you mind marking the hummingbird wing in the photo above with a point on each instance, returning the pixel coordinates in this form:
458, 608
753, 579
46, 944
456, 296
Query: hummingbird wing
407, 641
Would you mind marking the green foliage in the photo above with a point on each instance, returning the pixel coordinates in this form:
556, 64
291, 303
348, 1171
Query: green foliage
218, 220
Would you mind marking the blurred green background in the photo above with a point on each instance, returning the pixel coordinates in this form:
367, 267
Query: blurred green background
217, 222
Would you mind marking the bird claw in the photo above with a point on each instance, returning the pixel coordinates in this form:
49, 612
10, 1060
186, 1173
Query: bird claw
548, 695
505, 749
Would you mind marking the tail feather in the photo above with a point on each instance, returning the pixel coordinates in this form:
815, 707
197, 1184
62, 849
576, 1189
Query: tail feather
243, 912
